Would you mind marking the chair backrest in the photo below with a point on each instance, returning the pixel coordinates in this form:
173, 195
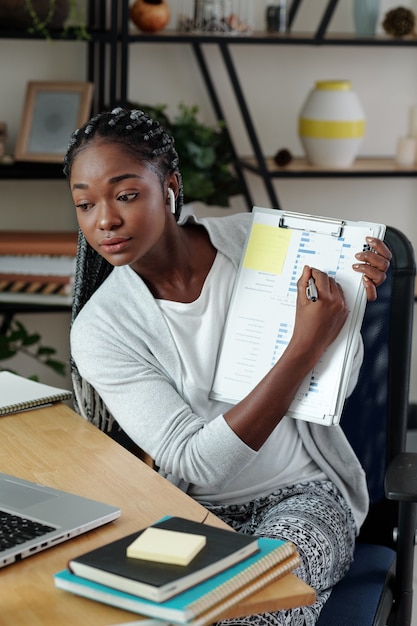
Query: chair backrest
375, 415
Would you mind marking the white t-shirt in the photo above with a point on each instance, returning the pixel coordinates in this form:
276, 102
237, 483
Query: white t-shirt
196, 328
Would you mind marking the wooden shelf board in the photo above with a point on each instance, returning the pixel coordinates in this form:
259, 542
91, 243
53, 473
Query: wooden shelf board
262, 37
363, 166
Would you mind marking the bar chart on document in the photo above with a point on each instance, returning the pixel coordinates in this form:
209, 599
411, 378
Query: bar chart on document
262, 311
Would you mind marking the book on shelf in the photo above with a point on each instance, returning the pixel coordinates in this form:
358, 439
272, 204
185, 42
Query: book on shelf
159, 581
261, 314
20, 394
44, 284
206, 601
17, 242
37, 265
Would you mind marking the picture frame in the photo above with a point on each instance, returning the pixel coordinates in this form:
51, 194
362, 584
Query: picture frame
51, 112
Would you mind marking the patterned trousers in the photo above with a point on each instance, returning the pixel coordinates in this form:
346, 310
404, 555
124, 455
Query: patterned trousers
316, 518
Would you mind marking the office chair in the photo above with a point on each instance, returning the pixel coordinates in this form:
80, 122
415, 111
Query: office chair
378, 588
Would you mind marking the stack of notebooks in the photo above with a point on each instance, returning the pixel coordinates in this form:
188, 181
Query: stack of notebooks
37, 266
194, 581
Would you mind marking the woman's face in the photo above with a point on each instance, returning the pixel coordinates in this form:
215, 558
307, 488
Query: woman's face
121, 207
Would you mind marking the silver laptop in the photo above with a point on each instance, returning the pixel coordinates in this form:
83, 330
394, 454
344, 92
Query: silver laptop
34, 517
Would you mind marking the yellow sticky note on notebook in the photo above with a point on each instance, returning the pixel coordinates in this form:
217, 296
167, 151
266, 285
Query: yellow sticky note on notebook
166, 546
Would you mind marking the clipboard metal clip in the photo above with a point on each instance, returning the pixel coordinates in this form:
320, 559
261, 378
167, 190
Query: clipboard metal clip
312, 223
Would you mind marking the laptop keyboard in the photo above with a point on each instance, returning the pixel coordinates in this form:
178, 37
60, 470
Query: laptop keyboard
15, 530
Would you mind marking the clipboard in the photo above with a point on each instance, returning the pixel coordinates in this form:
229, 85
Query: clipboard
261, 314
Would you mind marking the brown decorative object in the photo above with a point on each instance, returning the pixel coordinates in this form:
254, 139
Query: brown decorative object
399, 22
283, 157
150, 15
15, 14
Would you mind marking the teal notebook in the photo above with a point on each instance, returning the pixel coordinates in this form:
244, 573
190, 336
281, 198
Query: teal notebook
202, 603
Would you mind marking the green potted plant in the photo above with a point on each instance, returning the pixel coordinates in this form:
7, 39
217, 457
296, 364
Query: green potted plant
41, 17
15, 340
206, 155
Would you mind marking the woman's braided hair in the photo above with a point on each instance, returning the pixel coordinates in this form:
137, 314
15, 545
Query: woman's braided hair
149, 143
143, 137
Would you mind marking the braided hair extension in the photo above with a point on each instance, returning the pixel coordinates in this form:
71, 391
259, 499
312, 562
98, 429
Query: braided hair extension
147, 141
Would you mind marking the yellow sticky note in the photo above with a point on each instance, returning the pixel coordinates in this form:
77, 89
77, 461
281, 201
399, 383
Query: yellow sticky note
267, 248
166, 546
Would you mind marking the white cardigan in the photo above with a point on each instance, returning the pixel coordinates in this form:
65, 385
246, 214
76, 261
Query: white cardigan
121, 344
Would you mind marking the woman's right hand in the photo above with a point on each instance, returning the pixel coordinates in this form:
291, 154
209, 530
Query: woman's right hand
318, 323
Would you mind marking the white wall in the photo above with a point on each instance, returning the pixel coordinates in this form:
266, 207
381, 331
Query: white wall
275, 80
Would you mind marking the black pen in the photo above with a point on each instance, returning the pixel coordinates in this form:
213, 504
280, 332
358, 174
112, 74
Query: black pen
311, 291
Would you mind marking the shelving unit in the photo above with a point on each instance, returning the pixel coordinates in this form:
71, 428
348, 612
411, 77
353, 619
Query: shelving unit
108, 68
104, 20
259, 164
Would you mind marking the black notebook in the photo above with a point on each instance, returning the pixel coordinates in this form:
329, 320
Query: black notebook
155, 581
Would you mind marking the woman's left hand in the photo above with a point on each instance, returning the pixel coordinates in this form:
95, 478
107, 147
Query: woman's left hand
374, 265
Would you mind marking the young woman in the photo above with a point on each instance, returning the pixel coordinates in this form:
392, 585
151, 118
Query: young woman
151, 296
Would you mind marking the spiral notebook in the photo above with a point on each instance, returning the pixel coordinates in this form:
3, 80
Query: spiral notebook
20, 394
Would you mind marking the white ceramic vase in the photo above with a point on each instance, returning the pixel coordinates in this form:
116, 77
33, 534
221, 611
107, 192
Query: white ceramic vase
331, 124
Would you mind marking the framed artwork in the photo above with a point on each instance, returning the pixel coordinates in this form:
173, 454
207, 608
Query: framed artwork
51, 112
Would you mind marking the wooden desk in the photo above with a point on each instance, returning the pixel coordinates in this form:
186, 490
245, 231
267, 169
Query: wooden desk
56, 447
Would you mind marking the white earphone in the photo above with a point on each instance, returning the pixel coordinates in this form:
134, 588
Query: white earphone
172, 200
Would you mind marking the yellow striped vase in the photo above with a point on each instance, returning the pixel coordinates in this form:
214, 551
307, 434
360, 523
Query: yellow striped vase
332, 124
